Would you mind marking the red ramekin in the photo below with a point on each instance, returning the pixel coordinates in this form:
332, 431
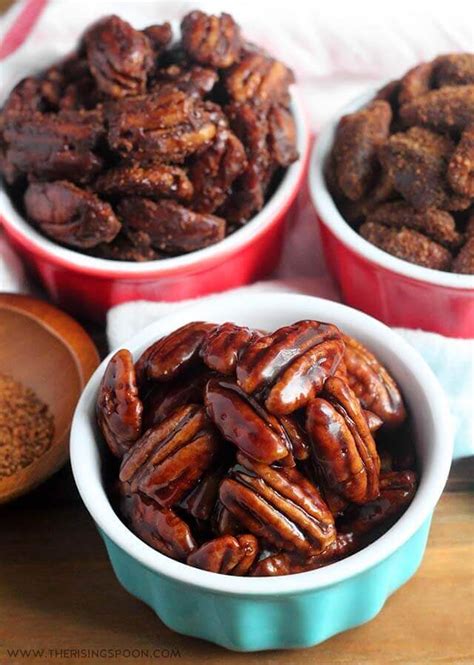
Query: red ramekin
88, 286
397, 292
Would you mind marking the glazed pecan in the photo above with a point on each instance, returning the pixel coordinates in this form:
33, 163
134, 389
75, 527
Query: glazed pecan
416, 162
282, 136
278, 505
342, 444
192, 79
172, 228
26, 97
152, 181
160, 36
214, 171
272, 565
439, 225
170, 355
358, 138
201, 501
461, 165
242, 421
211, 40
228, 555
55, 146
416, 82
408, 245
170, 458
297, 436
70, 215
224, 523
119, 57
119, 408
448, 109
375, 388
259, 79
223, 346
167, 125
291, 365
454, 69
161, 528
128, 246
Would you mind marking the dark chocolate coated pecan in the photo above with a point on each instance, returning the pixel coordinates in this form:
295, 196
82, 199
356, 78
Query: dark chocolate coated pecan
342, 444
211, 40
278, 505
450, 108
70, 215
358, 137
172, 228
161, 528
54, 146
224, 345
228, 555
153, 181
259, 79
119, 57
170, 458
119, 408
242, 421
170, 355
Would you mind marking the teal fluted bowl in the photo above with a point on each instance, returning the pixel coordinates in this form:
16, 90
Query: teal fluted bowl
290, 611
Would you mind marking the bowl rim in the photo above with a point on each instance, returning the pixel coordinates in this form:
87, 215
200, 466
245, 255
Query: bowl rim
23, 232
332, 218
85, 455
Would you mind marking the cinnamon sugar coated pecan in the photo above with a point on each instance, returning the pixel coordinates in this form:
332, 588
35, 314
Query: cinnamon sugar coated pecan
139, 141
251, 453
407, 183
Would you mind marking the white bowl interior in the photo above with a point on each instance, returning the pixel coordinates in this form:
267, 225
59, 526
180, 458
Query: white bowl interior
332, 218
422, 392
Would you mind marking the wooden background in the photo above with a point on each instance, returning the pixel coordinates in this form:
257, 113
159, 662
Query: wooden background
58, 592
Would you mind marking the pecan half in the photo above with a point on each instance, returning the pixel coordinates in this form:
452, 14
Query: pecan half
119, 57
461, 165
291, 364
272, 565
151, 181
259, 79
450, 108
169, 459
161, 528
201, 501
228, 555
119, 408
242, 421
282, 136
211, 40
224, 345
454, 69
464, 261
160, 36
170, 355
70, 215
342, 444
416, 82
192, 79
278, 505
172, 228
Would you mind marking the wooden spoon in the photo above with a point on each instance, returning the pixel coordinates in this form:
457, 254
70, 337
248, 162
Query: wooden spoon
49, 352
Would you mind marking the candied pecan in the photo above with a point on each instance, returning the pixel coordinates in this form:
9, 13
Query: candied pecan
382, 191
291, 365
242, 421
27, 96
454, 69
119, 57
152, 181
272, 565
159, 527
168, 125
171, 227
358, 138
127, 246
228, 555
374, 422
200, 502
223, 522
416, 162
375, 388
342, 444
278, 505
119, 408
211, 40
259, 79
214, 171
192, 79
461, 165
160, 36
438, 225
297, 437
55, 146
170, 458
408, 245
170, 355
70, 215
389, 93
448, 109
417, 81
464, 261
223, 346
282, 136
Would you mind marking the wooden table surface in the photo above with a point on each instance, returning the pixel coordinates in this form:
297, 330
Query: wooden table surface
58, 594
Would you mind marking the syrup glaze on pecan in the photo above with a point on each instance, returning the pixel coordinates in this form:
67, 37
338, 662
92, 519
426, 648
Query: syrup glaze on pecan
211, 477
